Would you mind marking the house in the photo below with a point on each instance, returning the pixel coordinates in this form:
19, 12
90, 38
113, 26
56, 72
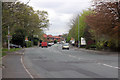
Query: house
44, 37
57, 38
50, 38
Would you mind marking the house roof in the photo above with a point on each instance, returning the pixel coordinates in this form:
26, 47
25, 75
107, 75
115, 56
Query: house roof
56, 37
50, 36
44, 35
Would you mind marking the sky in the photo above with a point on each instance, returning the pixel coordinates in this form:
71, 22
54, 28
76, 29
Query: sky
60, 12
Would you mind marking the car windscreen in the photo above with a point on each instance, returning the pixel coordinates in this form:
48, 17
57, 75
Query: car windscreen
66, 44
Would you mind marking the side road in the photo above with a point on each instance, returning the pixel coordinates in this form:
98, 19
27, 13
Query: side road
13, 66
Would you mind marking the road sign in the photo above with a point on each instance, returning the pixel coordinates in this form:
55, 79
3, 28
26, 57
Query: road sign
83, 42
26, 39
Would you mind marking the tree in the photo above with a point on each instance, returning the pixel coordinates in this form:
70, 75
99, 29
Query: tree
18, 37
19, 16
105, 22
73, 32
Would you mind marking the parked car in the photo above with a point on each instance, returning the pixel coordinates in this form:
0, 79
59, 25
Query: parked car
44, 44
65, 46
15, 46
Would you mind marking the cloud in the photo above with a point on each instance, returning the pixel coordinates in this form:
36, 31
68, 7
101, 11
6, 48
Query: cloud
60, 12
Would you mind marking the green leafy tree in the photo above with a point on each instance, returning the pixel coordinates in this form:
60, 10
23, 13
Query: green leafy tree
73, 32
19, 16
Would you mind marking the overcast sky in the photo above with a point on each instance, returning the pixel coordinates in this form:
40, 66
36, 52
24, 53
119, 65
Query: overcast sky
60, 12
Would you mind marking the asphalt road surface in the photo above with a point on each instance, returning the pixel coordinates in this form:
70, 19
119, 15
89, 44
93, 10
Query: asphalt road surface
53, 62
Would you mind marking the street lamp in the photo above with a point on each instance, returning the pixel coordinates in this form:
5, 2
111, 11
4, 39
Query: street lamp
8, 38
78, 33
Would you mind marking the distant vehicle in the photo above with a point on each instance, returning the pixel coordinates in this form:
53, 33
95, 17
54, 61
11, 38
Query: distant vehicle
15, 46
72, 42
50, 44
65, 46
62, 42
58, 42
44, 44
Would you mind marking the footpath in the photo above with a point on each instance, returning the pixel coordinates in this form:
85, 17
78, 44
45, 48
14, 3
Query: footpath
12, 66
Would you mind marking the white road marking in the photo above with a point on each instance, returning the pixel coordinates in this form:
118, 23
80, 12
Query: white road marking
97, 63
111, 66
26, 68
108, 65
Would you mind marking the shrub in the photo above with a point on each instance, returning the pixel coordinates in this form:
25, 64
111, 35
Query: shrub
28, 44
100, 45
91, 46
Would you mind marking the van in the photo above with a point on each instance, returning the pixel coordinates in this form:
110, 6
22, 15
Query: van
44, 44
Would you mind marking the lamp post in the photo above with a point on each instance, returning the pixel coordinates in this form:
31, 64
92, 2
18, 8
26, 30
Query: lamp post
8, 38
78, 33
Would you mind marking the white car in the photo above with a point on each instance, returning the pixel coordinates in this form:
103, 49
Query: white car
50, 44
65, 46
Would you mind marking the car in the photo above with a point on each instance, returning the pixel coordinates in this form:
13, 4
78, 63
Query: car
50, 44
65, 46
44, 44
15, 46
62, 42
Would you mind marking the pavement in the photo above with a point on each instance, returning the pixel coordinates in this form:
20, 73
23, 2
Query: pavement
13, 67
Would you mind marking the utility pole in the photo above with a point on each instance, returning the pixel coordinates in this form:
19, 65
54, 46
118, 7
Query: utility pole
78, 33
8, 38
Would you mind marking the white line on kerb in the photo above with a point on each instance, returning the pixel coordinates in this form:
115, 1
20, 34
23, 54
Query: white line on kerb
26, 68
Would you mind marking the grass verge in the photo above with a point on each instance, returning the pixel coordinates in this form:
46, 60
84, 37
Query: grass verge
5, 50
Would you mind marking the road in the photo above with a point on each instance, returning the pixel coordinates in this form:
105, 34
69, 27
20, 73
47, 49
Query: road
53, 62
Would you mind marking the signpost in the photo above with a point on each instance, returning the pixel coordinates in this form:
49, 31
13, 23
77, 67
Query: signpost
26, 38
83, 42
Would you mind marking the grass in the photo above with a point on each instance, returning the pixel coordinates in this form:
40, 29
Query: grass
11, 50
3, 54
5, 50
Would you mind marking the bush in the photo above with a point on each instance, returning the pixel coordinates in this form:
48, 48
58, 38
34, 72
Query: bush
112, 46
35, 42
55, 41
28, 44
91, 46
100, 45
